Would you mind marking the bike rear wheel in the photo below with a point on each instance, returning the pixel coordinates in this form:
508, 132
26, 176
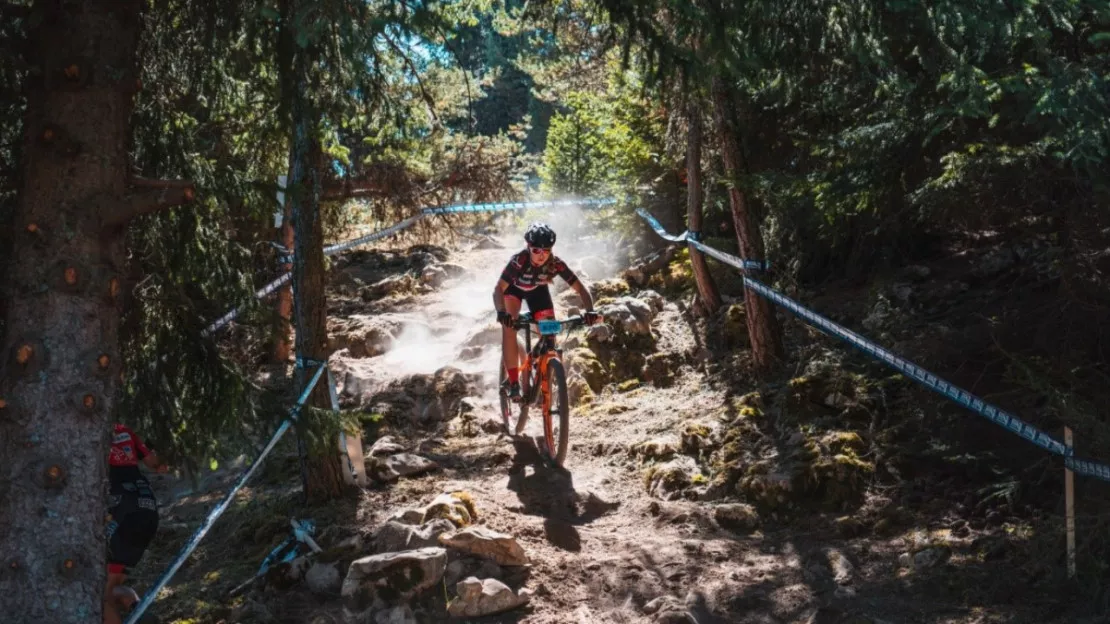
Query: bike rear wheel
556, 412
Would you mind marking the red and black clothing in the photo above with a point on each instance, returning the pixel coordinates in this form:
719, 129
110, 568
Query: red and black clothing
132, 508
529, 283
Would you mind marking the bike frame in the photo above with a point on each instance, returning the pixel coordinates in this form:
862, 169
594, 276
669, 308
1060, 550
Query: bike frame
535, 362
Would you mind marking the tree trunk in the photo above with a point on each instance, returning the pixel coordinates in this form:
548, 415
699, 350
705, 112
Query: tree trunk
284, 343
763, 325
325, 472
60, 354
707, 289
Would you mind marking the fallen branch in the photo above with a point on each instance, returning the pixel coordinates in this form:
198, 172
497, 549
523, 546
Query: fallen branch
148, 196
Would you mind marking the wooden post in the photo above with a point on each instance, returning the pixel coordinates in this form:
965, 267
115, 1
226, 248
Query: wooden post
1069, 503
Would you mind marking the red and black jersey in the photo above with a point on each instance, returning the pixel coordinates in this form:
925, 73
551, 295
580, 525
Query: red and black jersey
127, 451
520, 272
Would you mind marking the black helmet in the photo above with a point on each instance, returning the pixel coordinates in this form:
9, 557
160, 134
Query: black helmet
540, 235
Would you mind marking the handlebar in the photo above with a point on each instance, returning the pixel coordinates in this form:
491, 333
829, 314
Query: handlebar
571, 322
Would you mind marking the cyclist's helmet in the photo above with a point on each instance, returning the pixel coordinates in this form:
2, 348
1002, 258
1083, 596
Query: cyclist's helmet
540, 235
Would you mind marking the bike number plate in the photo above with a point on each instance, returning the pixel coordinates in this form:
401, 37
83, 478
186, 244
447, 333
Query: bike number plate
549, 327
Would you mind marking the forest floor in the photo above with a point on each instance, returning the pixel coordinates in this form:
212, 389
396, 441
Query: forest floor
834, 492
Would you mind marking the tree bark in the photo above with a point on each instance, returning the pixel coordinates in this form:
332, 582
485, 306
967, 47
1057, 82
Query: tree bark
60, 354
707, 289
763, 326
284, 343
325, 472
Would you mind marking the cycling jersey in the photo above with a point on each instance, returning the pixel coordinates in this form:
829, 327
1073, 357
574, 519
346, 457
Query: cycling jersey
521, 273
127, 451
132, 508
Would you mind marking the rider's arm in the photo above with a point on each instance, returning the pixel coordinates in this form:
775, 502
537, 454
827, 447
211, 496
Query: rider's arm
584, 294
499, 295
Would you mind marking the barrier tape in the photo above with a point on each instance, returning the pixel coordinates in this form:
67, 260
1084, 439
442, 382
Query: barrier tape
218, 510
931, 381
692, 239
330, 250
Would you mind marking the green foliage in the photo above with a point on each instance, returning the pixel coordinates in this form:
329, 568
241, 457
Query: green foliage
605, 143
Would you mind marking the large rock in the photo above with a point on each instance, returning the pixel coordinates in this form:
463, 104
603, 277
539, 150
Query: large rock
385, 446
394, 536
660, 368
609, 288
390, 286
426, 399
584, 362
656, 448
454, 271
361, 378
487, 543
323, 579
478, 598
736, 517
631, 315
388, 578
400, 465
433, 275
364, 335
486, 336
458, 507
668, 481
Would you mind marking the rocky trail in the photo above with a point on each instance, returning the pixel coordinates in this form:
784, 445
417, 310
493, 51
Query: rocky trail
692, 493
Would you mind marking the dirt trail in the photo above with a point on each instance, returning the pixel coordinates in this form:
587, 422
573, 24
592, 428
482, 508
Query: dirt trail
602, 549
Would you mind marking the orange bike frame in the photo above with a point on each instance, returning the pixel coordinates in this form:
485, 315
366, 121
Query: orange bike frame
545, 389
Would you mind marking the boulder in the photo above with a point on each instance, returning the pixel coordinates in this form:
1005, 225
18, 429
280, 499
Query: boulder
668, 481
394, 536
384, 579
324, 579
736, 517
426, 399
498, 547
364, 335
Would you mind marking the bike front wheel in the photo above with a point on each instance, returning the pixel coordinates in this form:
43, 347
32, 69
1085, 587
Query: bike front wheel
513, 415
556, 412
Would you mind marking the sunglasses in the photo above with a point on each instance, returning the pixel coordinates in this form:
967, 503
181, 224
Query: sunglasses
535, 251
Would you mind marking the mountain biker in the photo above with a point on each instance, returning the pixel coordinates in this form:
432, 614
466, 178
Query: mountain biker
526, 278
132, 515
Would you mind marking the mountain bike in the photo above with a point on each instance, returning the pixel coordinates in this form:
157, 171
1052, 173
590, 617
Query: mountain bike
543, 384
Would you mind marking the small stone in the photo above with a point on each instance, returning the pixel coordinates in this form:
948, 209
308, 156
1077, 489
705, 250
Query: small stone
486, 597
385, 446
737, 517
905, 560
323, 579
931, 557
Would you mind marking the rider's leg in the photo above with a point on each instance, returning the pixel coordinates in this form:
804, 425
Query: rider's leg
126, 545
509, 352
116, 577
